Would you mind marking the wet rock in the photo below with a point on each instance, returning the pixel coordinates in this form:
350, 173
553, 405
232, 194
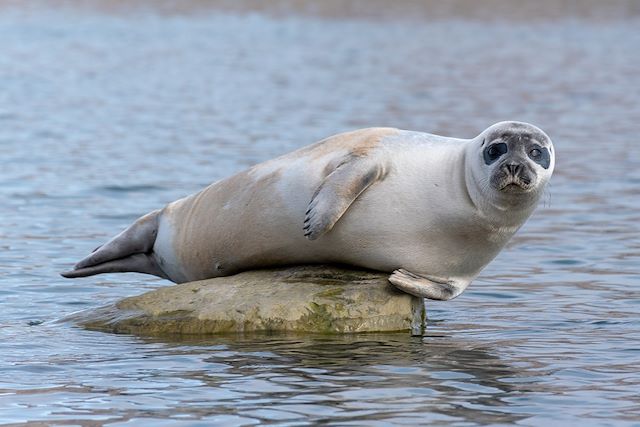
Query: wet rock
305, 299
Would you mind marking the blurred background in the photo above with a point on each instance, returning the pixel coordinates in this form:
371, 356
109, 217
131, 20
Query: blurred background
110, 109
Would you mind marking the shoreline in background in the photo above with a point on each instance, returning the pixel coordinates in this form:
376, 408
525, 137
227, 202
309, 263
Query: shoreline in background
487, 10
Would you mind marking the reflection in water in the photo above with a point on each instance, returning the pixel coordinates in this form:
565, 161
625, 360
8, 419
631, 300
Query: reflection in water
111, 109
392, 377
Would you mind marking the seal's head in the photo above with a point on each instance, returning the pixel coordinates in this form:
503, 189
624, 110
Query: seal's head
513, 162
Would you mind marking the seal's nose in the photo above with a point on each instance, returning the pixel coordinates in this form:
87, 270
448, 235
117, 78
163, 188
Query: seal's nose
513, 168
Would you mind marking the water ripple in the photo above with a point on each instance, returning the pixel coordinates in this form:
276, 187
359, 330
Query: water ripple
125, 110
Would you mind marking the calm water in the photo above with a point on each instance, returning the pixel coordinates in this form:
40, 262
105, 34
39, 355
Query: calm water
106, 114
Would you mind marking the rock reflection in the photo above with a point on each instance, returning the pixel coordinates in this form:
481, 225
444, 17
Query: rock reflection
389, 376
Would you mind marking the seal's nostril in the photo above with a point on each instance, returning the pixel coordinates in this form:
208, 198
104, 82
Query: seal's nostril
513, 168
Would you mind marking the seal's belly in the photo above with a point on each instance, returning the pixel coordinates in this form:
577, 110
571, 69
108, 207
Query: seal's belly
435, 254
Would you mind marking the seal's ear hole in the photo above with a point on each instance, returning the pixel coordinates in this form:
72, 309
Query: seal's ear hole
493, 152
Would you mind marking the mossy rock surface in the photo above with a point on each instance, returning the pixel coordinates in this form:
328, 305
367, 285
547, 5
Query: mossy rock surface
315, 299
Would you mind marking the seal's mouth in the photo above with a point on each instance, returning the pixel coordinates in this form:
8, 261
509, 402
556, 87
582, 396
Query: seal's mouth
513, 179
515, 184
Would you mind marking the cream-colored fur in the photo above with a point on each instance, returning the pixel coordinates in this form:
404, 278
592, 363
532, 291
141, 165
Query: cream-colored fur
412, 203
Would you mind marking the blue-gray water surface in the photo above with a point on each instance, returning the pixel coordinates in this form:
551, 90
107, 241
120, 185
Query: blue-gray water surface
109, 112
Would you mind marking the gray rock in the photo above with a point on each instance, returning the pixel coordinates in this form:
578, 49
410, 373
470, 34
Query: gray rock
306, 299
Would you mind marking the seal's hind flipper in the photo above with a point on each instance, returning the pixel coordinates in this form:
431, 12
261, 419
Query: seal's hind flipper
136, 263
338, 191
120, 254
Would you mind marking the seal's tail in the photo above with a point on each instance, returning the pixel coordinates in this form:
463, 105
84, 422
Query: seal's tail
129, 251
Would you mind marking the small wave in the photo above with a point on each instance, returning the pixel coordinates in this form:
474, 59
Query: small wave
135, 188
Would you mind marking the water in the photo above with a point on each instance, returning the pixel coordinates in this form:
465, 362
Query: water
109, 111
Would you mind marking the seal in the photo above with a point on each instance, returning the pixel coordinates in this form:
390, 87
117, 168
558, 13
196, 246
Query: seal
431, 210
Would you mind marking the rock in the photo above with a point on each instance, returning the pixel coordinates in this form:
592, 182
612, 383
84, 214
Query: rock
305, 299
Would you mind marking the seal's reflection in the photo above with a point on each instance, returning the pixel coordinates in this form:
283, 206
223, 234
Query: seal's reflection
379, 376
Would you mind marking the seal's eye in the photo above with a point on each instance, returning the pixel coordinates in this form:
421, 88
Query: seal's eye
541, 156
493, 152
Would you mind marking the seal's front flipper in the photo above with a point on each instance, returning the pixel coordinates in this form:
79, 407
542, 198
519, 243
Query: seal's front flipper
421, 286
128, 251
338, 191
